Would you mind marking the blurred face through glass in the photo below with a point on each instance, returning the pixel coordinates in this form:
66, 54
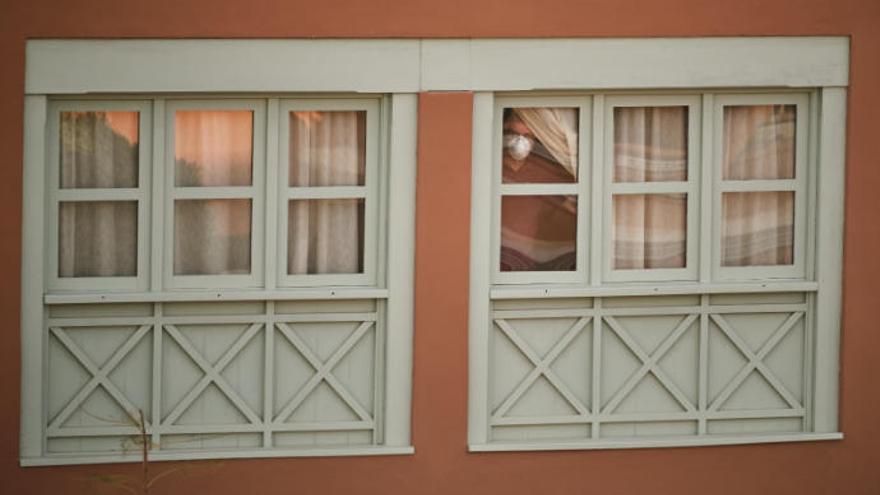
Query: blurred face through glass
518, 140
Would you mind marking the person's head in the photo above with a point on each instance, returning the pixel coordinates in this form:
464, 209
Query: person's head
518, 138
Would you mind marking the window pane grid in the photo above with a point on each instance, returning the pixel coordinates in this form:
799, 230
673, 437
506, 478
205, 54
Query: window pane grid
541, 153
650, 187
761, 186
98, 195
327, 203
214, 179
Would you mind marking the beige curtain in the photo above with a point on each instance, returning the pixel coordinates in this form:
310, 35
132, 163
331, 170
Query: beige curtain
326, 235
557, 130
650, 145
212, 237
213, 148
758, 227
98, 238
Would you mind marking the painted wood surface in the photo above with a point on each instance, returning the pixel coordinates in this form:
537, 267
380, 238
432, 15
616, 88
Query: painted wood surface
197, 372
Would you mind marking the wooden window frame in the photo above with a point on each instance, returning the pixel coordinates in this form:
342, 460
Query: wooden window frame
815, 273
804, 169
690, 187
392, 151
254, 192
370, 191
141, 195
581, 188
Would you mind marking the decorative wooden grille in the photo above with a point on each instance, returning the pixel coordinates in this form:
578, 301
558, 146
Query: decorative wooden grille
213, 375
580, 369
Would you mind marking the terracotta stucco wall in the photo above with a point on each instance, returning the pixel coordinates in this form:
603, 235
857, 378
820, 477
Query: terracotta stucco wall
442, 464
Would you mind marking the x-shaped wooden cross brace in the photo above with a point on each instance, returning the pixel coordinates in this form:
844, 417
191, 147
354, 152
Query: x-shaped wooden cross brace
100, 375
756, 361
649, 364
541, 367
323, 371
212, 373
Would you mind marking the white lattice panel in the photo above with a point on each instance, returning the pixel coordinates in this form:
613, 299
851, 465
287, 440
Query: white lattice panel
635, 367
209, 376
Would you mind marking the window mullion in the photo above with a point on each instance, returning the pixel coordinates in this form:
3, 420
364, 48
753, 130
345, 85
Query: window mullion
597, 191
760, 185
707, 173
271, 192
326, 192
539, 189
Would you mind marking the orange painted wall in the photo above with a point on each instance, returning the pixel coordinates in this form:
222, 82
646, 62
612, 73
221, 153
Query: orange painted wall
441, 464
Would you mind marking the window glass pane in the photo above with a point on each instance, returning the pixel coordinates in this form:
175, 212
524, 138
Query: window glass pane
212, 236
540, 145
757, 228
538, 233
97, 239
649, 231
325, 236
327, 148
99, 149
759, 142
650, 144
213, 148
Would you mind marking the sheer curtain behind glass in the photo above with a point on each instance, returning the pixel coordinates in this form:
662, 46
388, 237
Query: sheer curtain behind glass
327, 149
213, 149
650, 145
98, 150
759, 144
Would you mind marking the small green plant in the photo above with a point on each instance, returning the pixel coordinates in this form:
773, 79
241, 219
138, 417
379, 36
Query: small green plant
141, 485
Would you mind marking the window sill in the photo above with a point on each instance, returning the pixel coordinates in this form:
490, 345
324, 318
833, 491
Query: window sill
666, 289
80, 459
646, 443
217, 295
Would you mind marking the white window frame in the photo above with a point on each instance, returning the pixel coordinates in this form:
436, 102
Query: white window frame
798, 185
737, 68
690, 187
254, 192
370, 192
294, 70
581, 188
140, 194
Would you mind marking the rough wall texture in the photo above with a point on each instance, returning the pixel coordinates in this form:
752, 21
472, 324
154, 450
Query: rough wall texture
442, 464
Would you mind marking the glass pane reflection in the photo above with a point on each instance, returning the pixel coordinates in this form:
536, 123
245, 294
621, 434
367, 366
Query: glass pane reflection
325, 236
99, 149
97, 238
212, 236
327, 148
649, 231
213, 148
757, 228
759, 142
650, 144
538, 233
